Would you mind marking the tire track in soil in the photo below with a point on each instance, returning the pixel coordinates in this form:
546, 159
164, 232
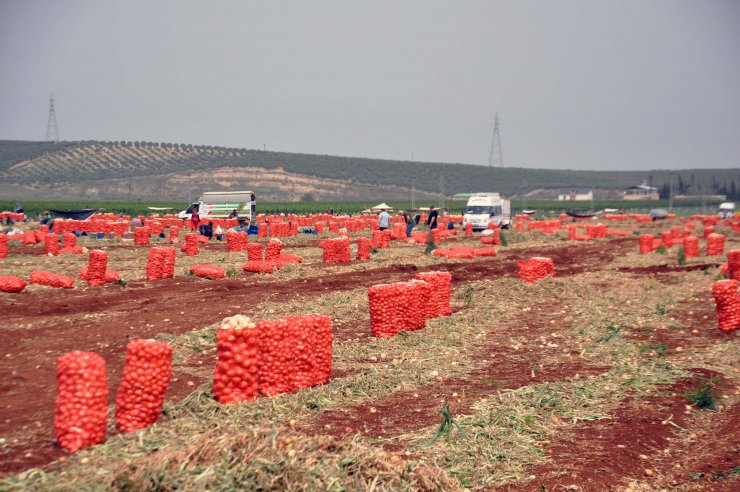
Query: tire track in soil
117, 315
602, 455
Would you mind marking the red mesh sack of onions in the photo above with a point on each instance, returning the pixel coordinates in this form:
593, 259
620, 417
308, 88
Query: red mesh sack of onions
733, 264
155, 263
81, 407
11, 285
254, 252
277, 349
235, 376
363, 248
385, 310
110, 275
259, 266
715, 244
51, 279
646, 243
441, 289
174, 234
142, 235
691, 246
51, 245
727, 302
485, 252
536, 268
191, 247
146, 376
3, 245
29, 238
273, 249
286, 258
96, 267
208, 271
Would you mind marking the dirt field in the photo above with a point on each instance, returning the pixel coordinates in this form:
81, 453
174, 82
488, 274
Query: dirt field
577, 382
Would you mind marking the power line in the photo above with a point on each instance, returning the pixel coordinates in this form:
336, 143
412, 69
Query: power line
496, 157
52, 131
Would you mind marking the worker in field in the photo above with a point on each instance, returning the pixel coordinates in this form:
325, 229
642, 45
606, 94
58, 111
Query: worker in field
233, 215
194, 219
409, 221
47, 219
384, 220
207, 230
432, 219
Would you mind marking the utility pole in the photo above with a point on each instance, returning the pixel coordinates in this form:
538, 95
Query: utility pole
413, 193
442, 188
525, 198
670, 192
190, 189
52, 131
496, 157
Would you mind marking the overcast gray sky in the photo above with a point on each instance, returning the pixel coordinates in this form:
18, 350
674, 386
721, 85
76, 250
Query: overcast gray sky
577, 84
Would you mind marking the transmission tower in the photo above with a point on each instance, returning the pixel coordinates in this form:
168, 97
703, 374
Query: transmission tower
52, 132
496, 158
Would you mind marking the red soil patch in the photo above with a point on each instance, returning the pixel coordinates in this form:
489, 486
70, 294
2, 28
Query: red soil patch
605, 454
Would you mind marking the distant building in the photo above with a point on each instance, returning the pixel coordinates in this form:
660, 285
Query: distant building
641, 192
576, 195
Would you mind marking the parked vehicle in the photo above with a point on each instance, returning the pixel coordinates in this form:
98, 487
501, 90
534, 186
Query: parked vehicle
221, 204
726, 210
487, 208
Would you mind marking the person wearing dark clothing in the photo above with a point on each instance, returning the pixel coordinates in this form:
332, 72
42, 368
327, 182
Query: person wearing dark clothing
233, 215
432, 219
409, 221
417, 218
450, 226
207, 230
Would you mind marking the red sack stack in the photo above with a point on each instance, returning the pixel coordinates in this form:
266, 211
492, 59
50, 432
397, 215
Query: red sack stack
174, 234
155, 264
168, 269
208, 271
254, 252
110, 275
707, 231
191, 247
715, 244
385, 310
236, 241
142, 235
12, 285
273, 249
666, 238
336, 250
363, 248
733, 264
236, 374
69, 244
41, 277
303, 333
146, 376
3, 245
51, 245
485, 252
29, 238
262, 230
277, 349
691, 246
259, 266
96, 267
646, 243
728, 304
81, 407
416, 293
420, 237
441, 289
468, 229
381, 239
322, 347
536, 268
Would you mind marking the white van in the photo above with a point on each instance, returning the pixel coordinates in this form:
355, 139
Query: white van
487, 208
220, 204
726, 210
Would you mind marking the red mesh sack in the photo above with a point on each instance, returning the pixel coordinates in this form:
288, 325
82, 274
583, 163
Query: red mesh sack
29, 238
3, 246
733, 264
259, 266
155, 264
646, 243
273, 249
536, 268
455, 252
336, 250
168, 262
81, 406
208, 271
69, 241
41, 277
322, 347
485, 252
202, 239
415, 293
142, 235
715, 244
385, 310
235, 376
254, 252
303, 334
487, 240
236, 241
110, 275
441, 290
51, 245
363, 248
146, 376
707, 231
420, 237
96, 267
727, 302
174, 234
288, 258
666, 238
468, 229
691, 246
277, 347
191, 247
12, 285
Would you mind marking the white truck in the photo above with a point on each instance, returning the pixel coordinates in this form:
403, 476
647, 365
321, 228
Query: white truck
726, 210
221, 204
487, 208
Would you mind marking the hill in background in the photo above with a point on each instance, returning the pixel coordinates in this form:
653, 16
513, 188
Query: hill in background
163, 171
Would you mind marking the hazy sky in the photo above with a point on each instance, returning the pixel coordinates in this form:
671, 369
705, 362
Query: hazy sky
577, 84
